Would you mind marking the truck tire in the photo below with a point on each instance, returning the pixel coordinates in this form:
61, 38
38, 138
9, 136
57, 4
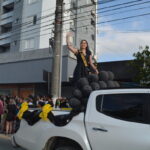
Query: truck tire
66, 148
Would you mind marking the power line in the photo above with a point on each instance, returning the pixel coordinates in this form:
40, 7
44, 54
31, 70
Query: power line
90, 24
126, 11
128, 31
121, 4
43, 17
105, 11
80, 20
131, 31
119, 23
124, 7
124, 18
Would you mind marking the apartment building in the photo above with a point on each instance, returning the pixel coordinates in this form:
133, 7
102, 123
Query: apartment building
26, 27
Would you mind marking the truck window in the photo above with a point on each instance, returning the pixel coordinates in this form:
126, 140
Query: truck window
129, 107
99, 101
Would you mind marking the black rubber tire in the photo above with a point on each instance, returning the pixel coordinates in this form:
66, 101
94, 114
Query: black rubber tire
103, 76
66, 148
111, 75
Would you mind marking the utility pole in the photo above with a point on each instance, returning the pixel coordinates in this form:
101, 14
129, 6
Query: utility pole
56, 70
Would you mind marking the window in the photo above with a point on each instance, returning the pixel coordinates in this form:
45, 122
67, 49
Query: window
14, 43
29, 44
34, 19
93, 37
99, 102
129, 107
32, 1
16, 20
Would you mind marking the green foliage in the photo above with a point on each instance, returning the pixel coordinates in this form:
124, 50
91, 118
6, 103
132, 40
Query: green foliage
141, 63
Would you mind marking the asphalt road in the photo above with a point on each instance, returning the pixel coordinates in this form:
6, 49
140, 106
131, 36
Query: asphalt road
5, 143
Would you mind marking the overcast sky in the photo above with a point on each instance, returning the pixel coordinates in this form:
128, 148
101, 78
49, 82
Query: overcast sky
118, 40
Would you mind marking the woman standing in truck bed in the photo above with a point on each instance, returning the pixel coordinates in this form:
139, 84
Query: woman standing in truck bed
84, 59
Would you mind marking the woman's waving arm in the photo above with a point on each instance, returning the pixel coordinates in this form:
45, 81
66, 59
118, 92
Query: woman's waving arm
69, 43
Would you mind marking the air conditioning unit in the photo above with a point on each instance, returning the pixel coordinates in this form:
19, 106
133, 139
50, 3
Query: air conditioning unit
93, 22
73, 5
72, 27
93, 13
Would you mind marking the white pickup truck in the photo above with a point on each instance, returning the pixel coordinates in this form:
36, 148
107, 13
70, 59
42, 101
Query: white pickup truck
115, 119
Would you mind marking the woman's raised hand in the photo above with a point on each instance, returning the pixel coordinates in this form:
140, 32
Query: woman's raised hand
69, 34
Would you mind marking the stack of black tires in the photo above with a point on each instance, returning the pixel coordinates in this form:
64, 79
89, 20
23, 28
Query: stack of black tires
92, 82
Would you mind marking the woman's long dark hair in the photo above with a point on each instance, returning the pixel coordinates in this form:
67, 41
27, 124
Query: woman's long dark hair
87, 48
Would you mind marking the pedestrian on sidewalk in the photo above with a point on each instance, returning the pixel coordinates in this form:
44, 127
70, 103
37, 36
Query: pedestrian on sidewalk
11, 116
1, 111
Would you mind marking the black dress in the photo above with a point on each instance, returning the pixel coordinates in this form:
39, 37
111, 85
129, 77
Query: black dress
11, 112
80, 70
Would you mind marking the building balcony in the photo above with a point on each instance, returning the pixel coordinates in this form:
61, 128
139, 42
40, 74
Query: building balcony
5, 38
6, 21
7, 3
7, 15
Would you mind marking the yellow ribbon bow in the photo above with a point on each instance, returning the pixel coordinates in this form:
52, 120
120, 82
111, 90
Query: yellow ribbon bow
45, 110
24, 107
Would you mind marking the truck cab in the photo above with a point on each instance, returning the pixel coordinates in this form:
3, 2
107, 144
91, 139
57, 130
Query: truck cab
119, 119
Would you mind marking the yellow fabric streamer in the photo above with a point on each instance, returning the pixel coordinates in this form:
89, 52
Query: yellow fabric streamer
24, 107
45, 110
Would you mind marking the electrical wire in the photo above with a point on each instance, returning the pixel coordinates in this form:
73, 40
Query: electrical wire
90, 25
44, 17
125, 11
102, 22
124, 7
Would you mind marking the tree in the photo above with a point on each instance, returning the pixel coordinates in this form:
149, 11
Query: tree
142, 65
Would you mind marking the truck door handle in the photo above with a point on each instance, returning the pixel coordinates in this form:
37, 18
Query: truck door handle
99, 129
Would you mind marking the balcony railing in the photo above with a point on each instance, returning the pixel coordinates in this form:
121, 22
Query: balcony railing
5, 35
7, 2
6, 21
4, 41
7, 15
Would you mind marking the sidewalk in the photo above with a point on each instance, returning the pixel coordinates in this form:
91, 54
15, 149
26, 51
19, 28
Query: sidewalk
3, 136
5, 143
